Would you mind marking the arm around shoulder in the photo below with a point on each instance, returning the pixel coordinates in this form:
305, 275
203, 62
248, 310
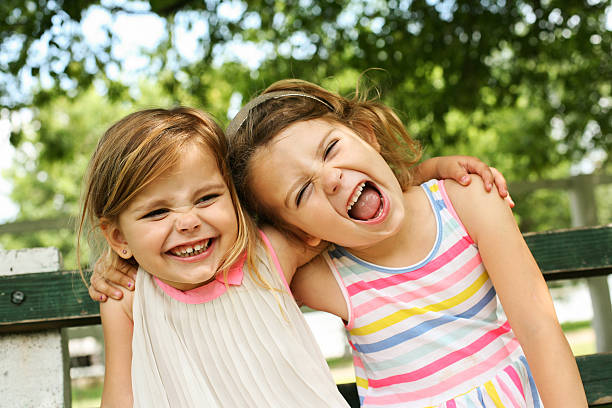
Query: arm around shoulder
522, 291
117, 326
290, 251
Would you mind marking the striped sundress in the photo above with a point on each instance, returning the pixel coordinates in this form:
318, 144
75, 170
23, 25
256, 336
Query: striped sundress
432, 334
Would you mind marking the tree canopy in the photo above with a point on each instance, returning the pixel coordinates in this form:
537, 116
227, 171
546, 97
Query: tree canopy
549, 58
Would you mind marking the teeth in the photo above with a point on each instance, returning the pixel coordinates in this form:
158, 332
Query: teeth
355, 196
191, 250
379, 213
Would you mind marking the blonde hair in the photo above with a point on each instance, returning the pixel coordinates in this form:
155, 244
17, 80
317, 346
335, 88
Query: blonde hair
304, 101
139, 148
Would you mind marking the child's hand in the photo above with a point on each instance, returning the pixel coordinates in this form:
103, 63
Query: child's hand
108, 274
458, 168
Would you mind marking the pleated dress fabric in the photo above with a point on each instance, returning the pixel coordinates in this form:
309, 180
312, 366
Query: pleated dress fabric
226, 345
432, 334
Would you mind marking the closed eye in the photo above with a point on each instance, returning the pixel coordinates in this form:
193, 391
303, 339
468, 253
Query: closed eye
300, 194
206, 200
329, 149
156, 213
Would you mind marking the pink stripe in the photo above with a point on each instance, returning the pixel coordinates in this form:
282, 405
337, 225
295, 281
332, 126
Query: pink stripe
357, 361
423, 292
443, 362
508, 393
342, 285
451, 404
396, 279
274, 259
511, 371
451, 209
452, 382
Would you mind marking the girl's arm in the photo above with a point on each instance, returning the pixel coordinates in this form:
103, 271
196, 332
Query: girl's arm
522, 292
315, 286
117, 326
459, 168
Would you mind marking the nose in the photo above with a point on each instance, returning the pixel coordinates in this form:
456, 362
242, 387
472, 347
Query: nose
331, 179
187, 222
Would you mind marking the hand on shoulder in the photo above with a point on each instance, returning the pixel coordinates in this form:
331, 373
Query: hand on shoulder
481, 212
291, 252
121, 306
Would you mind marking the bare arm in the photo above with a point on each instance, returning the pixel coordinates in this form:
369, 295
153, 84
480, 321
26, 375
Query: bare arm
522, 292
459, 168
315, 286
292, 253
118, 329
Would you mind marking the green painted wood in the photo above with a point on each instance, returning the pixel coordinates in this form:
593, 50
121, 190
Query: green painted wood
573, 253
50, 299
596, 374
60, 299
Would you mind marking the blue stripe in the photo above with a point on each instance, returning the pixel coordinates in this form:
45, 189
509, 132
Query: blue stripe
424, 327
480, 397
534, 390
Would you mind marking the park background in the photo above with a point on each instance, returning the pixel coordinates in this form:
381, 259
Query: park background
523, 85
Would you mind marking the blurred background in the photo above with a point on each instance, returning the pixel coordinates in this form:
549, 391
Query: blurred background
523, 85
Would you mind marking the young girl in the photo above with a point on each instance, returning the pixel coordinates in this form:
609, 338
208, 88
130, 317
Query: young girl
212, 322
415, 272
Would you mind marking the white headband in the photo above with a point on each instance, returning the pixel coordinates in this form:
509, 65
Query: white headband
243, 114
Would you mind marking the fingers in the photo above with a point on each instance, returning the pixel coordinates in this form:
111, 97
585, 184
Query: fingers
472, 165
128, 271
101, 289
485, 174
95, 295
502, 186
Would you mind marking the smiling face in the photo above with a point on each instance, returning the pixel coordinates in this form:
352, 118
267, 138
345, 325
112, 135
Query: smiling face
322, 178
180, 227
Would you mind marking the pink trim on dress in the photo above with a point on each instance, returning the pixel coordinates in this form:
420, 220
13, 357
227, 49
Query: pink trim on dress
209, 291
275, 260
451, 209
340, 281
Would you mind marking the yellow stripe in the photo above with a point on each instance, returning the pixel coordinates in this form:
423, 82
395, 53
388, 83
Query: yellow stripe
362, 382
490, 388
406, 313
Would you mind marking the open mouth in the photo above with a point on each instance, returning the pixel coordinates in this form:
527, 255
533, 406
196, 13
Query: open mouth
366, 203
186, 251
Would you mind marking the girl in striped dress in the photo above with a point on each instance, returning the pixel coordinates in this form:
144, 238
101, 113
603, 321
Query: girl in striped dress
418, 274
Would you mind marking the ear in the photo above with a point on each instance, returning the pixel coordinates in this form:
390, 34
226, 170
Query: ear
115, 238
304, 237
311, 241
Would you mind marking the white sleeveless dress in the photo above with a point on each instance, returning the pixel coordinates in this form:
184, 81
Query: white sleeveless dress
216, 346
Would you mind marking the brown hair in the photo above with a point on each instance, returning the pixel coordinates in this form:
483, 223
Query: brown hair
136, 150
306, 101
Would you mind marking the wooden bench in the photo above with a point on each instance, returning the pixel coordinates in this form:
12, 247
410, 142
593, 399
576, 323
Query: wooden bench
41, 299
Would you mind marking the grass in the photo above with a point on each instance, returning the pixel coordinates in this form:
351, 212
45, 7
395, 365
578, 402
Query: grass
86, 394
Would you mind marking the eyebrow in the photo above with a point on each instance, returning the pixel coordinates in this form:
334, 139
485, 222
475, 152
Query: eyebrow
298, 182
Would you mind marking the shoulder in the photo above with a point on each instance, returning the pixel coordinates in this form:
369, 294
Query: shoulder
290, 252
118, 308
480, 211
